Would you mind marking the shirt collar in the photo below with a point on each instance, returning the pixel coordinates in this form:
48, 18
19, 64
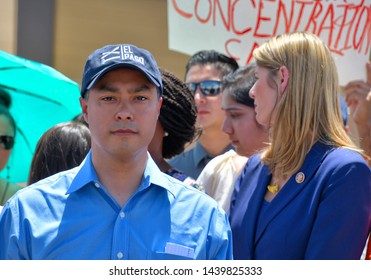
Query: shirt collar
152, 176
200, 154
84, 176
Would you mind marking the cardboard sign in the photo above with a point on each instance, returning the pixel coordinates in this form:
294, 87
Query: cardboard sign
236, 27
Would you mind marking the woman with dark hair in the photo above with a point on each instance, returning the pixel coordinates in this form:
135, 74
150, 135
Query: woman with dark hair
175, 126
7, 134
62, 147
245, 133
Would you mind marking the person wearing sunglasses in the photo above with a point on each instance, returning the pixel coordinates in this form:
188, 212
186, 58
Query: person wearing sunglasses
245, 133
7, 133
204, 72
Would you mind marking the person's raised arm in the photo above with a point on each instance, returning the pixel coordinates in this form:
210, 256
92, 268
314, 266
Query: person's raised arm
358, 98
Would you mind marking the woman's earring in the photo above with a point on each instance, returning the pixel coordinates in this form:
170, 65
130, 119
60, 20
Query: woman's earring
166, 133
7, 173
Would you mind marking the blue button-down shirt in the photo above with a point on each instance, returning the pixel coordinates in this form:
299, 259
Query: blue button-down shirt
71, 215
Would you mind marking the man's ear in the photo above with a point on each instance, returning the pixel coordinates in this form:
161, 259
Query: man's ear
84, 108
283, 77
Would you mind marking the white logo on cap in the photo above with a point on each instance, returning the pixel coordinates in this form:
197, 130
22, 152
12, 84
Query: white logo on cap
121, 52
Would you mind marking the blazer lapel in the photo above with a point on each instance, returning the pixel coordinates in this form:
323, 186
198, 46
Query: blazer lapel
252, 193
293, 187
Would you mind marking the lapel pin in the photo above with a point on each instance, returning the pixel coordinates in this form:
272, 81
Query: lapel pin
300, 177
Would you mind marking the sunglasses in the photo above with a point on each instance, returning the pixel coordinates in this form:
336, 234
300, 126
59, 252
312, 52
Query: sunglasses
6, 142
208, 88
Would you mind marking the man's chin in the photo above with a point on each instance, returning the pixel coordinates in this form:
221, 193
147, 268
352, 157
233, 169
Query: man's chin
202, 123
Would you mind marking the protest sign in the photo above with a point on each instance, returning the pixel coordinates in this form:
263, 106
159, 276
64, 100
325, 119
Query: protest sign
236, 27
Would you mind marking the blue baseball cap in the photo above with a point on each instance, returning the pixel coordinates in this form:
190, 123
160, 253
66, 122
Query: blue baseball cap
112, 57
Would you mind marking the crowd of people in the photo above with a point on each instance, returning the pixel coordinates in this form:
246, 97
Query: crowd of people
234, 162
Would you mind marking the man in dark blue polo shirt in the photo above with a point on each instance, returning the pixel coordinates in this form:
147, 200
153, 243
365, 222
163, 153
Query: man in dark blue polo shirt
204, 72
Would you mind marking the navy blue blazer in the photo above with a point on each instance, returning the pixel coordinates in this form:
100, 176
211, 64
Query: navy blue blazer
326, 216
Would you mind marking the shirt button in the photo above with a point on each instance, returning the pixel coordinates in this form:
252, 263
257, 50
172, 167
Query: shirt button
97, 185
122, 215
120, 255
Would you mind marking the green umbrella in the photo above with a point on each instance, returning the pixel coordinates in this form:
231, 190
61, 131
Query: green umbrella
41, 98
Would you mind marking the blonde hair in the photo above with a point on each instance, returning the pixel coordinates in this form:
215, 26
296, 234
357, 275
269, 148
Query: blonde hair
309, 109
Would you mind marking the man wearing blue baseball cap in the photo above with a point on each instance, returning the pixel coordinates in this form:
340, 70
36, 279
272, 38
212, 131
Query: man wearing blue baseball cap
117, 204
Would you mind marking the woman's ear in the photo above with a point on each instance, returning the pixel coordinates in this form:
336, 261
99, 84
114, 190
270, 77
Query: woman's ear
283, 76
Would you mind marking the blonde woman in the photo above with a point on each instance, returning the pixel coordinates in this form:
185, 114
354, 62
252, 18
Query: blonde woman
308, 194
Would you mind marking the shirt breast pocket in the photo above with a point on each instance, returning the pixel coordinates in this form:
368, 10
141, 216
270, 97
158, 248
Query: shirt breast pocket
165, 256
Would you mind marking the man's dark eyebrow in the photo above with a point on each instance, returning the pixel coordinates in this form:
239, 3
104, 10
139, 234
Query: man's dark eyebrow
113, 89
140, 88
106, 87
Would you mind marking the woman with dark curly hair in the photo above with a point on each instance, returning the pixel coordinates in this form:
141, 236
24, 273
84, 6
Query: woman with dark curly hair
175, 127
